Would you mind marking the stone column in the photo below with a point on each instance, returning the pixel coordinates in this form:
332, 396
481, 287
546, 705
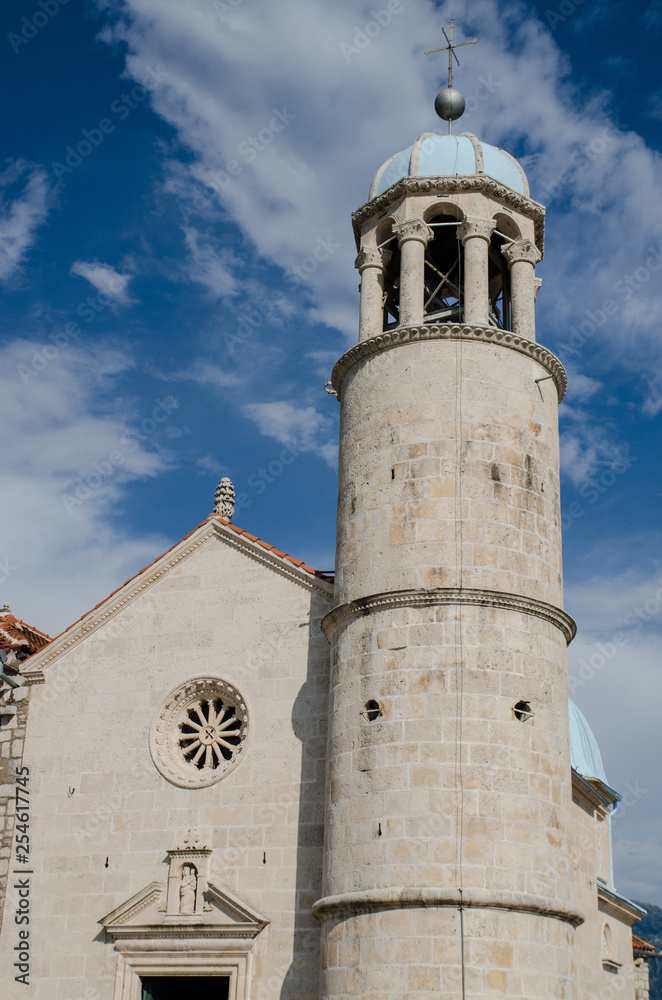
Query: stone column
371, 264
522, 258
475, 235
413, 236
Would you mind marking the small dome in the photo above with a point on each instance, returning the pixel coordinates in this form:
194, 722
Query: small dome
584, 751
435, 155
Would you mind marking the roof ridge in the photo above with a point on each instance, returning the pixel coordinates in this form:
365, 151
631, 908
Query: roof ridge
212, 517
16, 633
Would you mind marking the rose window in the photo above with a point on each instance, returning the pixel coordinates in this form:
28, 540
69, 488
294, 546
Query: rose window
200, 732
211, 733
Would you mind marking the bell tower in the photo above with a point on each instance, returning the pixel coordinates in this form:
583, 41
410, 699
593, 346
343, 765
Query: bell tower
447, 857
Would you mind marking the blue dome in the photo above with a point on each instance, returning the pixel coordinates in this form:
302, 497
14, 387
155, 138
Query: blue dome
435, 155
584, 751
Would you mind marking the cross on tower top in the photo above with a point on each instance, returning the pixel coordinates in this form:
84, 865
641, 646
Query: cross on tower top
450, 48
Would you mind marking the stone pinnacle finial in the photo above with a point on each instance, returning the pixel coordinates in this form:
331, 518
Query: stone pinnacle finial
224, 499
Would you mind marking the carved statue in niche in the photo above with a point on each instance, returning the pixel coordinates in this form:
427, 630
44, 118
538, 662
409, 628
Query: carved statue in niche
187, 889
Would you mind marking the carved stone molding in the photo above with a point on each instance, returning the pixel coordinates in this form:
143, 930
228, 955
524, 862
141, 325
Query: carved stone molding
452, 185
199, 734
216, 941
33, 671
372, 257
612, 903
412, 334
413, 229
521, 250
404, 897
188, 872
476, 228
448, 595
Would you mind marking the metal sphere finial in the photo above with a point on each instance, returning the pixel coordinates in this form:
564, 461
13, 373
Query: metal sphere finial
449, 104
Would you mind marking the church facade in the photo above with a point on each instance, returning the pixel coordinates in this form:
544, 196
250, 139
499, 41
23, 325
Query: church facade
241, 777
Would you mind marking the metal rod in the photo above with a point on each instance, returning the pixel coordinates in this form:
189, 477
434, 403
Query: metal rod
503, 236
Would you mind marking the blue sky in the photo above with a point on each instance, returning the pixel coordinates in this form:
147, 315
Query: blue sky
177, 291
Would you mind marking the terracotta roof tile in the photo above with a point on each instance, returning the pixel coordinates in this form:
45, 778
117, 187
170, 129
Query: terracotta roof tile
328, 578
18, 636
640, 944
265, 545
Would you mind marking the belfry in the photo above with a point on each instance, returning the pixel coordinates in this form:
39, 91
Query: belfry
449, 858
195, 800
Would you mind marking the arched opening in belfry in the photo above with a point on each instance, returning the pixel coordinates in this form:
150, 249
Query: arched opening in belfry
500, 311
391, 275
444, 268
499, 284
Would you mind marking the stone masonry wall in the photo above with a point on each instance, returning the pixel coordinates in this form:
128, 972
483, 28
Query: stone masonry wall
641, 979
103, 817
592, 980
400, 506
12, 733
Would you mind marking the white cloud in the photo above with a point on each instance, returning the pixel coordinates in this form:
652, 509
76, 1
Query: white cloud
588, 449
580, 388
300, 428
288, 187
285, 132
201, 372
615, 678
109, 282
208, 266
70, 454
25, 200
603, 603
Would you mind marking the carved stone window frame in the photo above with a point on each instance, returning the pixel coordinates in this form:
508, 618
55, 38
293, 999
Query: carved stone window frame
187, 958
154, 938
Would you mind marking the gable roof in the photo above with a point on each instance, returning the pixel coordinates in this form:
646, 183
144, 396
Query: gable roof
643, 948
213, 526
19, 637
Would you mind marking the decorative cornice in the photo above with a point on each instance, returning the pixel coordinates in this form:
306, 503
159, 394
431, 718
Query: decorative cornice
133, 906
399, 898
283, 566
146, 579
595, 792
118, 923
448, 595
521, 250
619, 906
109, 608
412, 334
453, 185
413, 229
156, 932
